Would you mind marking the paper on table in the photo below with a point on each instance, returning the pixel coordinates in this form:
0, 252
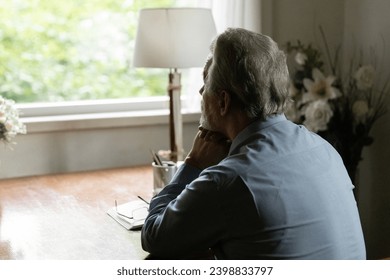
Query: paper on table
135, 212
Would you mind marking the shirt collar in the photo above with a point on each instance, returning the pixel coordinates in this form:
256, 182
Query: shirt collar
254, 128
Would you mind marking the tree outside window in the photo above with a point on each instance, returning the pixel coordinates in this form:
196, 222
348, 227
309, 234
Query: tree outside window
73, 50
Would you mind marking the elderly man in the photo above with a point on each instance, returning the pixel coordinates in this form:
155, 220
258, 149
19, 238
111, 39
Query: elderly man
254, 185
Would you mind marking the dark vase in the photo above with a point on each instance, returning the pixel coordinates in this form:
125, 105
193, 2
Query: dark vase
350, 150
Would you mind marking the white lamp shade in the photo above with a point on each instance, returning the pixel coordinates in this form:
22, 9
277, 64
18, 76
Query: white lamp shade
173, 37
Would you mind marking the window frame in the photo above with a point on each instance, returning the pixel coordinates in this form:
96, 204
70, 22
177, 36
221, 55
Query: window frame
100, 114
93, 106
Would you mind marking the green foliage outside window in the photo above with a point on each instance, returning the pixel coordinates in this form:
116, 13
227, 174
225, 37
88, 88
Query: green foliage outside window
73, 50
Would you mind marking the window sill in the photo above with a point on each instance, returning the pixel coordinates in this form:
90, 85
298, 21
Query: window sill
73, 122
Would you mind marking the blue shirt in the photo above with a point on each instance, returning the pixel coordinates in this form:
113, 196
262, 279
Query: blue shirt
281, 193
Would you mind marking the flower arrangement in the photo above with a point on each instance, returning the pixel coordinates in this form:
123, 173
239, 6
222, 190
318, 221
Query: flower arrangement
340, 108
10, 124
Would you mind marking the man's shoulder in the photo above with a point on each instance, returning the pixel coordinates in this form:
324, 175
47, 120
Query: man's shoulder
225, 172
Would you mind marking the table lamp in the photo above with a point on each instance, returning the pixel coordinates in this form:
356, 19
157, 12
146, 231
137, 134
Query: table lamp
174, 38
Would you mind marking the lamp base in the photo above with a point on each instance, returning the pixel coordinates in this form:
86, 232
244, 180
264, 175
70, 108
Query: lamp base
175, 117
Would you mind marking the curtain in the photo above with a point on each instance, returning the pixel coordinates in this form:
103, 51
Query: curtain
227, 13
230, 13
234, 13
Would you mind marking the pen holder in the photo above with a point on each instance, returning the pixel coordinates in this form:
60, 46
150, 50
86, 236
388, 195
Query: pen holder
162, 175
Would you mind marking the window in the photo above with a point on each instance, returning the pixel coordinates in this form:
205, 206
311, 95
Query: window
73, 50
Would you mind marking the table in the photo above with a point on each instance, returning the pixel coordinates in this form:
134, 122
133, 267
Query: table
63, 217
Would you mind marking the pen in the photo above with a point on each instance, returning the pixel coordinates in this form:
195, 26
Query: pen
142, 199
156, 158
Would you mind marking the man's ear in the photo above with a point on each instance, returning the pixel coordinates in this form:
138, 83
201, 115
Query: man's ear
224, 102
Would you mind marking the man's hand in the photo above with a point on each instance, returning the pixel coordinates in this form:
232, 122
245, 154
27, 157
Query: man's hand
208, 149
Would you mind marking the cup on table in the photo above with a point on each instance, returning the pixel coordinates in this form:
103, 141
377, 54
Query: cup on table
162, 175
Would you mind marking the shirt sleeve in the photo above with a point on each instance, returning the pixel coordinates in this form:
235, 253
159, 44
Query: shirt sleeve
185, 216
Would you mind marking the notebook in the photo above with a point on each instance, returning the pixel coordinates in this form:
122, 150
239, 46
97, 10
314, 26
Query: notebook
130, 215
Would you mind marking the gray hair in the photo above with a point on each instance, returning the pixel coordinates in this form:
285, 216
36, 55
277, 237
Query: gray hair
252, 69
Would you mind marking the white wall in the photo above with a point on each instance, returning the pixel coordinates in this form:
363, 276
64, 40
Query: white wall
69, 150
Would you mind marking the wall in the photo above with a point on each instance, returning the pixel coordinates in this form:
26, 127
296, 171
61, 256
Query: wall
69, 150
354, 23
367, 25
300, 19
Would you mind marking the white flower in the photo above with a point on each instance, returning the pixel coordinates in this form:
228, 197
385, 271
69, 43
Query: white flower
300, 58
10, 125
320, 88
364, 77
317, 115
360, 110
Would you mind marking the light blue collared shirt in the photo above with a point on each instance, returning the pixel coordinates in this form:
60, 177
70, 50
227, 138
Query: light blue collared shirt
281, 193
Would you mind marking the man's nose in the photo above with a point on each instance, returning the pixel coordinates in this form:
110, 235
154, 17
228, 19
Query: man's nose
201, 90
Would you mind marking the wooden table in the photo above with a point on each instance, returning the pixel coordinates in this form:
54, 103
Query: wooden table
61, 217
